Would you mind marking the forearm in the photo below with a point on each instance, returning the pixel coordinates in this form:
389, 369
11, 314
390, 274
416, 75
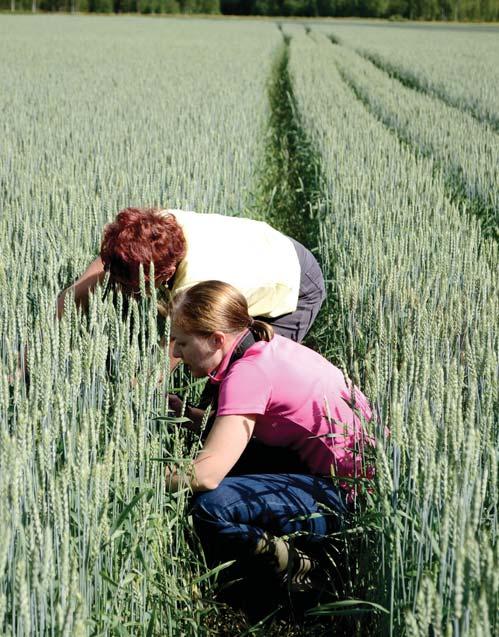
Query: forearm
81, 288
187, 477
223, 448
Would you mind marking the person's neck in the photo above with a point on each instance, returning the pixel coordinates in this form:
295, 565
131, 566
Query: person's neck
230, 340
229, 346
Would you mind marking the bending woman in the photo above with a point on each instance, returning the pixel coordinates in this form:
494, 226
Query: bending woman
280, 279
284, 395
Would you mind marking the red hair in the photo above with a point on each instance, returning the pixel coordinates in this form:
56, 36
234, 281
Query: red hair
139, 236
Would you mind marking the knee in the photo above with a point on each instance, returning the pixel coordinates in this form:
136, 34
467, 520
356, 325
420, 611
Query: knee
210, 506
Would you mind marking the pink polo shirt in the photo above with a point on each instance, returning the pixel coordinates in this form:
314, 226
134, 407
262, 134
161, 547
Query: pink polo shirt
300, 401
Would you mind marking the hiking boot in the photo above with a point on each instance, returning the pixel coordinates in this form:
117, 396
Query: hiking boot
296, 571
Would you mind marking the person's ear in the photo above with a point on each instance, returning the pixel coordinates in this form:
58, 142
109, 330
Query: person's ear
217, 340
168, 274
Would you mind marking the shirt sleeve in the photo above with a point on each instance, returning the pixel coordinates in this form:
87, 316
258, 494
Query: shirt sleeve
244, 390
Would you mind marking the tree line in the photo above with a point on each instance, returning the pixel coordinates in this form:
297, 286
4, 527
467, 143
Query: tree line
114, 6
487, 10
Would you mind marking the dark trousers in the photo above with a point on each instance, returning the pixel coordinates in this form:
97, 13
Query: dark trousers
295, 325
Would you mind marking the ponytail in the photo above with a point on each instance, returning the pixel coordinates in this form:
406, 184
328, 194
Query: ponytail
261, 331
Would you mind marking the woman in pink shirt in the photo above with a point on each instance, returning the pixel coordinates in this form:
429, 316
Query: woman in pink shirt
284, 395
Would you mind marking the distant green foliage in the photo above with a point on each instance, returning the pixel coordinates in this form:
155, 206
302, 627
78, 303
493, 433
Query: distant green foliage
114, 6
409, 9
484, 10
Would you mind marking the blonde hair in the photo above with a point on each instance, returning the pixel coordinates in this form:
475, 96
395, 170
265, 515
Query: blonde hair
213, 306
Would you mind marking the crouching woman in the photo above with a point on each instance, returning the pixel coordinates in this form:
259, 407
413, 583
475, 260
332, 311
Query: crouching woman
282, 394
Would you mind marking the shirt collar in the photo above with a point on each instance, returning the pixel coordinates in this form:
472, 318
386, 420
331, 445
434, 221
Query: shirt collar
218, 374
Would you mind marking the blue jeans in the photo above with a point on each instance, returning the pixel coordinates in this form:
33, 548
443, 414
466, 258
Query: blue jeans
232, 518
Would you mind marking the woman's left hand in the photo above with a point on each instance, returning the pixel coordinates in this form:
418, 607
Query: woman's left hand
175, 404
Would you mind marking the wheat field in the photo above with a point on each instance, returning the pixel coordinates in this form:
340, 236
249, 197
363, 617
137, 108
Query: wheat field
378, 147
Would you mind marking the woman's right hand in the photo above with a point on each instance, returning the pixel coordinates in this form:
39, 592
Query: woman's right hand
194, 414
